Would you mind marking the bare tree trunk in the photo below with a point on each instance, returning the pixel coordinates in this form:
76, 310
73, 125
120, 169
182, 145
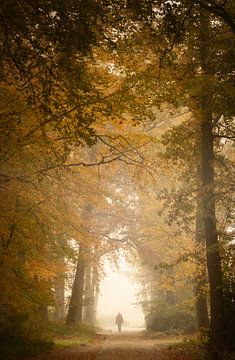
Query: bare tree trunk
89, 297
93, 294
201, 275
43, 311
170, 297
96, 287
59, 285
213, 253
59, 297
76, 300
208, 197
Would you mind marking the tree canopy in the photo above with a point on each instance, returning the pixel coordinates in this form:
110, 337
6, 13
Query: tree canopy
117, 132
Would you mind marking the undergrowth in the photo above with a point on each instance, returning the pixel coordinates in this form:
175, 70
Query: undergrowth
17, 343
73, 335
198, 348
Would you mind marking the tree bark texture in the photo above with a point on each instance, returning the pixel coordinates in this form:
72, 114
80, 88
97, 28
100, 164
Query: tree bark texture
76, 300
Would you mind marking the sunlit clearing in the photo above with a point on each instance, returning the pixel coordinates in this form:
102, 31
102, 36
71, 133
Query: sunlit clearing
118, 293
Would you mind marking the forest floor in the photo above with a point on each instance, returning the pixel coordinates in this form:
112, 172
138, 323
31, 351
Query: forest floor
128, 345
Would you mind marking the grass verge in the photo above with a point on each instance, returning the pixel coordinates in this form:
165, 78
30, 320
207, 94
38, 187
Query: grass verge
72, 336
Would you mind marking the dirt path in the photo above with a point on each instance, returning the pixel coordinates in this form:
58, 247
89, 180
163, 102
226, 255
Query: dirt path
129, 345
113, 346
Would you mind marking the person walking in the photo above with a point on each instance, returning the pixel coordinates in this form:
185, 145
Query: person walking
119, 321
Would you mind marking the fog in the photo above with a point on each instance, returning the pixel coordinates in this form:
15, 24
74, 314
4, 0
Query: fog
119, 293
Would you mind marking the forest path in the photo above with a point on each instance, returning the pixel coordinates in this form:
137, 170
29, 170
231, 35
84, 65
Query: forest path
128, 345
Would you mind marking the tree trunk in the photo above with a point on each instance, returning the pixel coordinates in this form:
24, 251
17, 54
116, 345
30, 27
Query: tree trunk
213, 253
201, 276
208, 198
93, 297
89, 294
59, 285
170, 297
76, 300
59, 297
96, 292
43, 311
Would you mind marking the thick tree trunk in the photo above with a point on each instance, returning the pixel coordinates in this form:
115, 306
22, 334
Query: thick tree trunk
213, 253
201, 276
96, 298
76, 300
93, 295
96, 292
170, 297
59, 285
208, 197
89, 297
43, 311
59, 297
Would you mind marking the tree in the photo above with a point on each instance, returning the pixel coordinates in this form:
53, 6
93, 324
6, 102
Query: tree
208, 201
176, 23
76, 301
62, 90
